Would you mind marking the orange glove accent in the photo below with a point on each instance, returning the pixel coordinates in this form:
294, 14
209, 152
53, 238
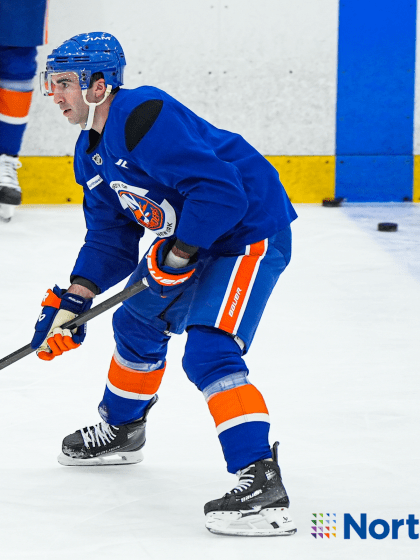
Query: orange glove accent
60, 341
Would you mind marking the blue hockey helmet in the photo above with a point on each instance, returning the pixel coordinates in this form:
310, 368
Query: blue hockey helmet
84, 55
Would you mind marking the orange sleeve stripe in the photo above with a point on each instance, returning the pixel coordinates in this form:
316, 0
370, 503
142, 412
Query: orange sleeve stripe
240, 287
132, 381
15, 103
239, 401
51, 299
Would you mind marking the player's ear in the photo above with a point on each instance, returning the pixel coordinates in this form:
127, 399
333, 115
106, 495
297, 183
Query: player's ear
99, 87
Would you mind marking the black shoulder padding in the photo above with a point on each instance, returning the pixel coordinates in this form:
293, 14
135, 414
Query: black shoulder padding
140, 121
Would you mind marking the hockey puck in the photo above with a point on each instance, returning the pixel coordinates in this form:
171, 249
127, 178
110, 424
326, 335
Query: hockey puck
332, 202
387, 226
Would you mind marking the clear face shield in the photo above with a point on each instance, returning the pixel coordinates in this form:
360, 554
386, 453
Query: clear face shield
61, 80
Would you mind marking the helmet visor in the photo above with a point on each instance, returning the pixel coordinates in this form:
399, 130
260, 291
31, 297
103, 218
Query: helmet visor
51, 82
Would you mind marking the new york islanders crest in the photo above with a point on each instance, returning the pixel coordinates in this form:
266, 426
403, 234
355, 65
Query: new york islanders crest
159, 218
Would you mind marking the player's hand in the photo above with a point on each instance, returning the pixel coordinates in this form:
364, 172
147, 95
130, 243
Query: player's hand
58, 307
163, 279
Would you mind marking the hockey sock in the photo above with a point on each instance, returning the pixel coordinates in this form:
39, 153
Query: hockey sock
129, 390
213, 361
242, 424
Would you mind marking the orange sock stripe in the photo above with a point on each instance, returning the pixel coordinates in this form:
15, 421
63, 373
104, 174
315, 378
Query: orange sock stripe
132, 381
239, 401
239, 288
15, 103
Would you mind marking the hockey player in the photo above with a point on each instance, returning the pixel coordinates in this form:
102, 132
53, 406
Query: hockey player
222, 224
23, 26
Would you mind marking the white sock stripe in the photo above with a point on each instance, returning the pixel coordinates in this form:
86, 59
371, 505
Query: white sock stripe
256, 417
250, 285
17, 85
128, 394
228, 289
13, 120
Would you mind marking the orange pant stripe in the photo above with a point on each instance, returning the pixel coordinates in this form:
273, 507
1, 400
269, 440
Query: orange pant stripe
233, 403
132, 381
15, 103
239, 288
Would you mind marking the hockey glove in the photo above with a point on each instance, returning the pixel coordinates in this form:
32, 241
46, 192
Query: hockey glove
163, 279
58, 307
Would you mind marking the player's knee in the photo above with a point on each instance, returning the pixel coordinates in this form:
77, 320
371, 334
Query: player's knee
211, 355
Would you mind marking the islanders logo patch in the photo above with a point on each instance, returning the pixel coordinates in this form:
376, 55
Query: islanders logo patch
146, 212
159, 218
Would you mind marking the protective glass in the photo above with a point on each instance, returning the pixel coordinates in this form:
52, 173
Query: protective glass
62, 79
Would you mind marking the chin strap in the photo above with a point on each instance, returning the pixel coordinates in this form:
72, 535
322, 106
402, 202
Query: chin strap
92, 106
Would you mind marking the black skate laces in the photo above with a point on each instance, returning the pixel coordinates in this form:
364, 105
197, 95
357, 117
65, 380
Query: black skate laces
245, 480
99, 434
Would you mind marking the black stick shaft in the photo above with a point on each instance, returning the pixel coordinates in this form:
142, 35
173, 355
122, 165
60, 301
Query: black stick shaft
80, 319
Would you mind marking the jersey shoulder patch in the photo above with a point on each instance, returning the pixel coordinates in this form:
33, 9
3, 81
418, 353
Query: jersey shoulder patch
140, 121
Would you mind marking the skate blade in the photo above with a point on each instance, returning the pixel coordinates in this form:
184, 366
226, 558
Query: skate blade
269, 522
120, 458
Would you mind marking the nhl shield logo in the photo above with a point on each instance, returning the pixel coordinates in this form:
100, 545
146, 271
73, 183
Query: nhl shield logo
97, 159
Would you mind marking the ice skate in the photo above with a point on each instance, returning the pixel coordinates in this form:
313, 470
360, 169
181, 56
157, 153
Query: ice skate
256, 507
10, 191
104, 444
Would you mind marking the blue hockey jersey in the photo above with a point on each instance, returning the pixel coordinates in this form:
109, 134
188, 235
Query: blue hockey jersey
23, 23
157, 165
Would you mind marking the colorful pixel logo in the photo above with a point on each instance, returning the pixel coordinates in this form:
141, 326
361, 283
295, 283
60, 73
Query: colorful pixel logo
324, 525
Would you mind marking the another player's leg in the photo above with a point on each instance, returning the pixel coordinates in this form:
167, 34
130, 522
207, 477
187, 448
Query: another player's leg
258, 505
17, 69
134, 377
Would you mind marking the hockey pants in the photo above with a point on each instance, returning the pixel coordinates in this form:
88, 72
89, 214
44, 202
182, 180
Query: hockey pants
220, 312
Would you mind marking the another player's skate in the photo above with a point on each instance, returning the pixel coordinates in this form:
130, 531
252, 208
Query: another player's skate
256, 507
10, 191
104, 444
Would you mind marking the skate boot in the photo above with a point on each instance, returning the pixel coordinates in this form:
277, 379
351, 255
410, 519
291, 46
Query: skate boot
256, 507
10, 191
104, 444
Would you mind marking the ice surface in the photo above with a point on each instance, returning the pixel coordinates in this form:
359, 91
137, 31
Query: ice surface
336, 357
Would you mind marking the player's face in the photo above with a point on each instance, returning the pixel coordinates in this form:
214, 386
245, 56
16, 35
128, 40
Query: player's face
68, 96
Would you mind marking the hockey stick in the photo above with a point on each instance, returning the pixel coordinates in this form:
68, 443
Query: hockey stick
81, 319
